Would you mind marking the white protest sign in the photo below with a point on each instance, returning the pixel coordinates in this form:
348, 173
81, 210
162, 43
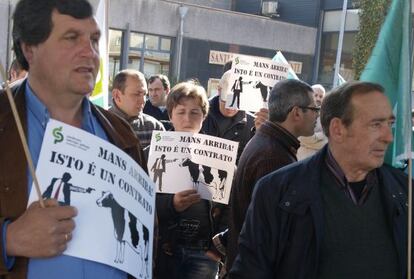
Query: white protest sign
251, 80
115, 198
180, 161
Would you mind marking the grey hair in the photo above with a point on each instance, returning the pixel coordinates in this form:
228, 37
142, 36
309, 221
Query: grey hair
285, 95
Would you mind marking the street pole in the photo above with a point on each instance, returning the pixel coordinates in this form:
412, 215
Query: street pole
182, 10
340, 42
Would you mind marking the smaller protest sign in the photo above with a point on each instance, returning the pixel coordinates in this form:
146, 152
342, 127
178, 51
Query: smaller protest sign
180, 161
250, 81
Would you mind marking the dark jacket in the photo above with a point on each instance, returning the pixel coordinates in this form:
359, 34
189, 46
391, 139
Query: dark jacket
13, 166
155, 112
271, 148
284, 224
240, 128
168, 225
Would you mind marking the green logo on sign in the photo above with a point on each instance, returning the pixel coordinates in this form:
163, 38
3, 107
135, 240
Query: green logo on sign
57, 134
157, 137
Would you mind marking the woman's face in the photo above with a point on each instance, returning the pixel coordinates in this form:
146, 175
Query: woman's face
187, 116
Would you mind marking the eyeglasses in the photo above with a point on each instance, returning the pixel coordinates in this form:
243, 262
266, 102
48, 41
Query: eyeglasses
315, 109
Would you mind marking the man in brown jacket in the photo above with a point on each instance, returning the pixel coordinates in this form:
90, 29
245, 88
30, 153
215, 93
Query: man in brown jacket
57, 42
292, 113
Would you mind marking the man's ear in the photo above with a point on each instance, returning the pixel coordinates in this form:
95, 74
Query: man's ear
27, 52
336, 130
296, 113
116, 95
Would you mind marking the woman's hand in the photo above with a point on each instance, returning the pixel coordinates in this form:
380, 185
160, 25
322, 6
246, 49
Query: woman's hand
184, 199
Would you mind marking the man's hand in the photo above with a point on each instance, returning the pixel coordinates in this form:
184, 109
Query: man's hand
184, 199
41, 232
261, 116
215, 255
89, 190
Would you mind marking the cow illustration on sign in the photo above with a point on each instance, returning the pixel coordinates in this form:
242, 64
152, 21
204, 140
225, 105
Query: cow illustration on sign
138, 238
264, 90
60, 189
204, 175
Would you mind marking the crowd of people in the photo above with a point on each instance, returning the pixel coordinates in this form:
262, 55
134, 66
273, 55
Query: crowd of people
310, 198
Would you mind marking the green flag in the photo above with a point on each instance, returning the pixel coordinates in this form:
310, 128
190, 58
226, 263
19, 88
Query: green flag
390, 66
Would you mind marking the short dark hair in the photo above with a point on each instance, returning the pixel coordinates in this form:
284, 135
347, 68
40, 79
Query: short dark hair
16, 67
337, 104
121, 77
285, 95
33, 21
163, 78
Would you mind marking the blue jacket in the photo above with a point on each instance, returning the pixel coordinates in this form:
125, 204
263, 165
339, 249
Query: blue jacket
283, 229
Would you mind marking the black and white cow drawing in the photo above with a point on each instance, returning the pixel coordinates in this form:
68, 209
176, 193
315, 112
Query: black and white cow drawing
264, 90
203, 174
139, 233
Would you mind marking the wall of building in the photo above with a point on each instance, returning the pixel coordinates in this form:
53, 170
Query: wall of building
303, 12
162, 18
337, 4
218, 4
195, 63
210, 25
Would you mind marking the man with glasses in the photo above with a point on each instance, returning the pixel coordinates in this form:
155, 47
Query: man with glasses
292, 113
158, 89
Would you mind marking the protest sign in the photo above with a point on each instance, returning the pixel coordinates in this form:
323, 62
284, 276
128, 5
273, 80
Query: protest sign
180, 161
115, 198
251, 80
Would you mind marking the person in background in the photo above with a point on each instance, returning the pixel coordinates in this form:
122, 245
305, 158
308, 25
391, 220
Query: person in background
158, 90
186, 222
226, 123
341, 213
292, 113
129, 89
310, 145
16, 72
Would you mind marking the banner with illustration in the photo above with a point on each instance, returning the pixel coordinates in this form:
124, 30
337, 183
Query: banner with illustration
250, 81
180, 161
115, 198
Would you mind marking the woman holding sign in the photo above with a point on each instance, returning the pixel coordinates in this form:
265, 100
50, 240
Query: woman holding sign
185, 221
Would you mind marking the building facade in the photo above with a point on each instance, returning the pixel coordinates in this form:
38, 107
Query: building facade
194, 38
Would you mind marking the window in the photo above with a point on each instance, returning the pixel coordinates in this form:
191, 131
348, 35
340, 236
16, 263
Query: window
329, 48
165, 44
115, 41
150, 54
137, 40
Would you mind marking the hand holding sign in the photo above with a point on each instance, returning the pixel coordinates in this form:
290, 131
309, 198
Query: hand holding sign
260, 117
41, 232
184, 199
